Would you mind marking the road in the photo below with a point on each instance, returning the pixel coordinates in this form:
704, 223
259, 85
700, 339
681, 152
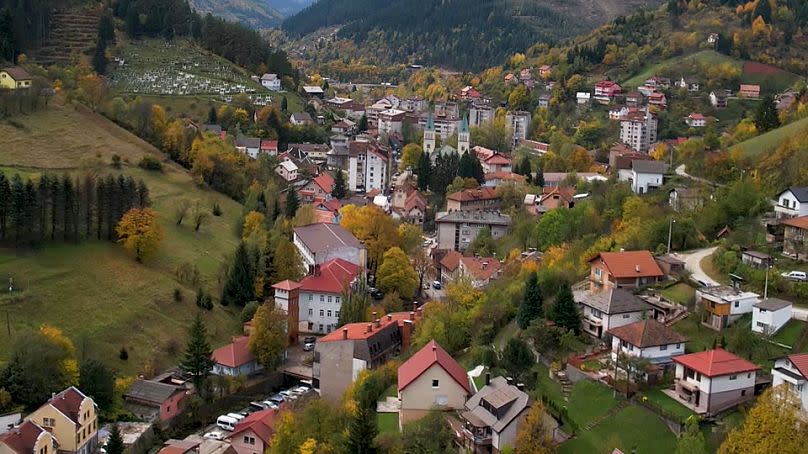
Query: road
681, 172
693, 263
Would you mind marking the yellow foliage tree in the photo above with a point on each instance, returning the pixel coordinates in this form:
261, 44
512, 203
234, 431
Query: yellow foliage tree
254, 226
69, 364
140, 233
410, 155
373, 226
533, 436
396, 274
309, 446
268, 337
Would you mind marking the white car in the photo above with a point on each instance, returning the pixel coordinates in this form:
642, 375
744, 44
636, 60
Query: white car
288, 395
795, 275
214, 435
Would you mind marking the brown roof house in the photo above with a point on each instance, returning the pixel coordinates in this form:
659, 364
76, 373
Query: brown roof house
794, 236
473, 199
152, 400
608, 309
625, 269
647, 340
72, 417
28, 438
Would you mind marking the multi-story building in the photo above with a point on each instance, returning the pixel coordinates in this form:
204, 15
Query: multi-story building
390, 121
626, 269
722, 305
712, 381
479, 114
493, 416
457, 229
609, 309
319, 243
368, 166
794, 235
792, 203
639, 130
519, 122
28, 438
72, 418
606, 91
473, 199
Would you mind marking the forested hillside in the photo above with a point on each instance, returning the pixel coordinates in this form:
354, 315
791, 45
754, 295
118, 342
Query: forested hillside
460, 34
256, 13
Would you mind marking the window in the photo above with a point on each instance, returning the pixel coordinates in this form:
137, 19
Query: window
626, 315
733, 377
743, 392
663, 347
329, 313
321, 327
336, 314
329, 298
435, 383
322, 298
337, 299
249, 440
311, 297
322, 313
737, 303
311, 311
678, 346
630, 348
48, 422
749, 375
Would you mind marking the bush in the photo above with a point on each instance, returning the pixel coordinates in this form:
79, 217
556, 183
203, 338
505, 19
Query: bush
150, 163
203, 300
249, 311
178, 295
217, 210
116, 161
123, 355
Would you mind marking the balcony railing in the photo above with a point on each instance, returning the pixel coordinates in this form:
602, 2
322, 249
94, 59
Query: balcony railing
478, 440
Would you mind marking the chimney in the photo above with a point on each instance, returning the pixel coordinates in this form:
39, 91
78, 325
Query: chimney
520, 386
389, 317
375, 315
370, 328
434, 346
509, 380
317, 270
485, 265
415, 305
488, 378
377, 322
412, 315
344, 333
637, 268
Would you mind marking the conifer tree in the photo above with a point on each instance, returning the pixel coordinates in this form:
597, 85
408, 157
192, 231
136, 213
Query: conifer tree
213, 116
284, 104
424, 171
531, 307
240, 286
339, 191
564, 312
361, 432
115, 441
766, 117
197, 361
292, 203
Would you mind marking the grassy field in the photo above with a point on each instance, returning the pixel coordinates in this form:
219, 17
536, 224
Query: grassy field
589, 400
712, 271
97, 294
632, 428
666, 67
772, 139
680, 293
663, 401
387, 422
546, 385
791, 332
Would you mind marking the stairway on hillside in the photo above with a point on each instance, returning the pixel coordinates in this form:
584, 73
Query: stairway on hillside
72, 33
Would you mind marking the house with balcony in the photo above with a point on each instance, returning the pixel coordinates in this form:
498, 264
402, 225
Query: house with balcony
769, 315
457, 229
647, 339
792, 203
608, 309
606, 91
72, 418
722, 305
794, 237
492, 417
792, 372
712, 381
625, 269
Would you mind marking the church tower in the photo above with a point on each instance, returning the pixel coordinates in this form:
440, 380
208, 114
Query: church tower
429, 135
463, 137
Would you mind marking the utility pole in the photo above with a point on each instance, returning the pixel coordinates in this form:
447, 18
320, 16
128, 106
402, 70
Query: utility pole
766, 285
670, 233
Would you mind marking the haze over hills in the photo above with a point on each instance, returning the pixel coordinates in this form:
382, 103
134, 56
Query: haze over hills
462, 34
255, 13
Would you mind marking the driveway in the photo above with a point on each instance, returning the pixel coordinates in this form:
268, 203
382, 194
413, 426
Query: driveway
682, 172
693, 260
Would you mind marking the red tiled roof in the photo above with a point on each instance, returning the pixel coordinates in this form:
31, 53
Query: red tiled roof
373, 193
800, 361
421, 361
507, 176
286, 285
359, 331
234, 354
415, 200
497, 159
267, 144
69, 402
468, 195
482, 152
714, 363
179, 447
696, 116
22, 438
647, 333
799, 222
261, 423
334, 276
480, 268
630, 264
331, 204
325, 181
451, 260
323, 217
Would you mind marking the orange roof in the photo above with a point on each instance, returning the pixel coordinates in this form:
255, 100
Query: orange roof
630, 264
480, 268
234, 354
333, 277
359, 331
421, 361
286, 285
800, 222
800, 361
497, 159
508, 176
325, 181
467, 195
261, 423
451, 260
415, 200
716, 362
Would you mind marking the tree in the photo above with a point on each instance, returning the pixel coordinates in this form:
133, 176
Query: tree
373, 226
470, 167
428, 435
213, 117
284, 104
411, 156
361, 432
286, 262
538, 180
517, 358
197, 361
340, 191
564, 313
355, 303
763, 10
772, 425
691, 441
98, 382
115, 441
100, 58
533, 436
140, 233
424, 172
292, 203
268, 337
531, 307
363, 124
396, 274
240, 285
766, 117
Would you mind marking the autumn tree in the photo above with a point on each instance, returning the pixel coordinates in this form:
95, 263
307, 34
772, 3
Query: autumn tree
396, 274
286, 262
534, 437
92, 89
410, 235
532, 301
495, 135
140, 233
197, 361
691, 441
428, 435
774, 424
268, 337
564, 312
373, 226
240, 285
411, 156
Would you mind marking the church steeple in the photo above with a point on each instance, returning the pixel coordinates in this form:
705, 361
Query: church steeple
463, 137
429, 134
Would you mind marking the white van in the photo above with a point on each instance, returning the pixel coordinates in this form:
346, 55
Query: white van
236, 416
227, 423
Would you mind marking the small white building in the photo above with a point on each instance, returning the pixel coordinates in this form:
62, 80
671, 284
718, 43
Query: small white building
769, 315
647, 339
722, 305
287, 170
583, 97
645, 175
792, 372
271, 82
792, 203
519, 123
696, 120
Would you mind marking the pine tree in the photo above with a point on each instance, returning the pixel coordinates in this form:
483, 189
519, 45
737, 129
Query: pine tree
764, 10
240, 286
5, 204
197, 361
564, 312
115, 441
361, 432
363, 124
284, 104
292, 203
100, 58
531, 307
339, 191
213, 116
538, 180
766, 117
424, 171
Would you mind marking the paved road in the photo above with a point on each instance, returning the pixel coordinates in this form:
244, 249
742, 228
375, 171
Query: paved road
692, 261
681, 171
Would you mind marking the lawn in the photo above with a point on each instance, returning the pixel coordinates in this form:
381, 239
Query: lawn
99, 296
699, 337
712, 271
666, 66
680, 293
772, 139
633, 429
588, 401
387, 422
547, 386
661, 400
791, 332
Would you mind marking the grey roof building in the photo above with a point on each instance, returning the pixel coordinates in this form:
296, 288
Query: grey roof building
457, 229
319, 243
493, 415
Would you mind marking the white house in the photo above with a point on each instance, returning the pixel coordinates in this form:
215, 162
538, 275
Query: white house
287, 170
712, 381
300, 118
320, 295
367, 167
792, 372
271, 82
792, 203
251, 146
722, 305
519, 123
647, 339
609, 309
696, 120
769, 315
583, 97
646, 175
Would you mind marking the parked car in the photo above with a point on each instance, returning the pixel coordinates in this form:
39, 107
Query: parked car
258, 406
436, 285
308, 347
288, 395
214, 435
795, 275
277, 398
227, 423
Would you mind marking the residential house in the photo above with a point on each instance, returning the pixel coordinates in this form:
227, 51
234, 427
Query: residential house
271, 82
722, 305
496, 163
625, 269
445, 120
792, 203
635, 99
611, 308
784, 101
269, 147
287, 170
552, 197
235, 359
639, 130
319, 243
72, 418
327, 211
15, 77
431, 378
683, 199
414, 209
794, 235
300, 118
317, 152
696, 120
646, 175
606, 91
253, 434
469, 93
313, 91
448, 265
545, 71
340, 356
525, 75
618, 112
689, 84
519, 123
216, 130
479, 114
756, 259
649, 340
494, 179
544, 100
749, 91
712, 381
670, 265
250, 146
792, 372
493, 415
562, 178
769, 315
152, 400
319, 187
583, 97
344, 127
457, 229
718, 98
28, 438
473, 199
479, 270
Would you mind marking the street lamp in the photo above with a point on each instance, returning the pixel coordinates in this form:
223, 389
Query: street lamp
670, 233
766, 285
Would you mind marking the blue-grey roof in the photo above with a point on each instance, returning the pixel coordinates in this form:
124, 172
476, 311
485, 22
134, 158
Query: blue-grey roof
800, 192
